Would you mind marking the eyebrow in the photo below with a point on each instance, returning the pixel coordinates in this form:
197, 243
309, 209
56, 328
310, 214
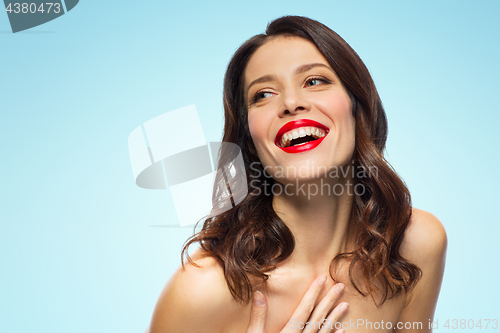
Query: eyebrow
298, 70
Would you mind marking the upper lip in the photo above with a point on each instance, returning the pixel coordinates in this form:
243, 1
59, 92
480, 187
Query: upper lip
297, 124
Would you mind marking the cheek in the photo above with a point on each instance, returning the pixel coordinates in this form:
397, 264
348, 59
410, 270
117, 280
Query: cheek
340, 107
255, 132
345, 120
347, 128
252, 125
256, 127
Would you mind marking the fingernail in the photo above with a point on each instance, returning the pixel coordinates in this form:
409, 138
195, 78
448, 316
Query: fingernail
259, 299
322, 280
339, 287
344, 307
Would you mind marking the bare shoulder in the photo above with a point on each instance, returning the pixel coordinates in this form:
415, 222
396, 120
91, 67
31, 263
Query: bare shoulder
195, 299
424, 244
425, 238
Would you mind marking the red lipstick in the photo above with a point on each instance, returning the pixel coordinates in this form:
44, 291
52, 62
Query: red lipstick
297, 124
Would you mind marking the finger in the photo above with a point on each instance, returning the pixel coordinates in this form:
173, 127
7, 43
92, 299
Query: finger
258, 313
323, 309
306, 306
334, 316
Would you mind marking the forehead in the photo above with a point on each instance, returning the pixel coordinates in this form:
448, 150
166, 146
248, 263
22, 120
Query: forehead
280, 55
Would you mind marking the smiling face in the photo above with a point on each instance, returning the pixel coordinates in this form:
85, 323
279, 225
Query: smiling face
299, 113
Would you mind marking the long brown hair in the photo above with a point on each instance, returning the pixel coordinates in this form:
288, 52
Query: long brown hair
250, 239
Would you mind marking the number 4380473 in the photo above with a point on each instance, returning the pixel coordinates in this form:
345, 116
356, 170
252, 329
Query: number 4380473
32, 8
471, 323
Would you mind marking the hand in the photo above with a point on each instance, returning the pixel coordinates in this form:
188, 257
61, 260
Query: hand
303, 312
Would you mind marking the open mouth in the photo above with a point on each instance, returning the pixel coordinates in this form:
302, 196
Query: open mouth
300, 135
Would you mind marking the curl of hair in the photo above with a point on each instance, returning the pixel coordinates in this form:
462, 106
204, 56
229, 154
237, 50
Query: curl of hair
250, 239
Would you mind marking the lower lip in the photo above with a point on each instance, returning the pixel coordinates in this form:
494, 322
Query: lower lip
302, 148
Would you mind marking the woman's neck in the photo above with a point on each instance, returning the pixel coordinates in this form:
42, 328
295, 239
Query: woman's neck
321, 223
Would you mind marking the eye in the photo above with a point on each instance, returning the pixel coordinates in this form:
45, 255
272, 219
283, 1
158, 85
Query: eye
314, 81
260, 95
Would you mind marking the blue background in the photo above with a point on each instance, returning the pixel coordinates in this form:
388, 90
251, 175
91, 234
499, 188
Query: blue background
78, 250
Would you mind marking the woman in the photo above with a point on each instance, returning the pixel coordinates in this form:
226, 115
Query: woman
327, 233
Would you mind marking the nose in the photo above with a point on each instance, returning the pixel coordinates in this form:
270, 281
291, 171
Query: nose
293, 102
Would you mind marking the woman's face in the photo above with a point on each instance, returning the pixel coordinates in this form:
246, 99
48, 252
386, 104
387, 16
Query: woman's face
294, 96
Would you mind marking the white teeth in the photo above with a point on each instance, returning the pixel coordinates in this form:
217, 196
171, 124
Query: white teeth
301, 132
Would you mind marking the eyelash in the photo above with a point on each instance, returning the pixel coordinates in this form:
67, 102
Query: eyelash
322, 79
255, 98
